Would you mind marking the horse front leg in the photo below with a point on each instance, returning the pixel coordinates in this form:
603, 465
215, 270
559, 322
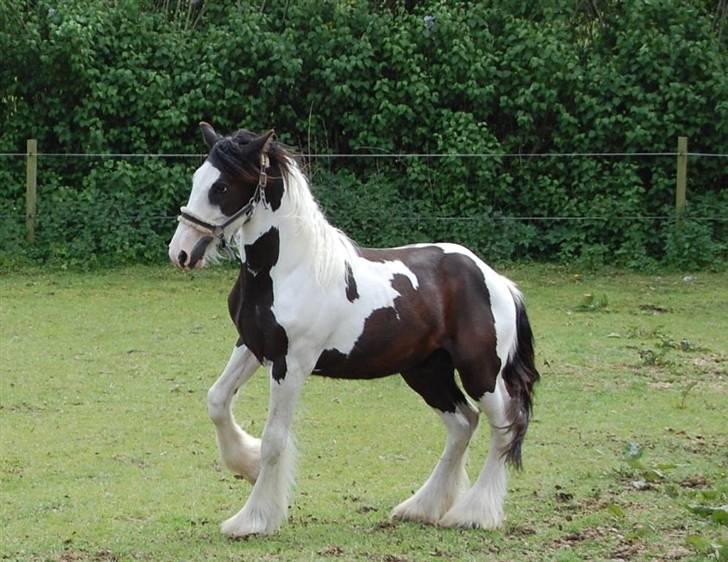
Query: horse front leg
267, 506
239, 451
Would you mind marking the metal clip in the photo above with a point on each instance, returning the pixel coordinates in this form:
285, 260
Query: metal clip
263, 178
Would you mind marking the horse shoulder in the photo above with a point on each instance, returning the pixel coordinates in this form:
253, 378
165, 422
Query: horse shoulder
305, 309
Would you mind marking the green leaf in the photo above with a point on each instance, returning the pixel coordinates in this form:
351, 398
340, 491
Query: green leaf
699, 543
653, 475
615, 510
719, 514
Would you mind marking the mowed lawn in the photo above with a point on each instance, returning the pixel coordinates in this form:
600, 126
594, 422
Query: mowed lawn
106, 452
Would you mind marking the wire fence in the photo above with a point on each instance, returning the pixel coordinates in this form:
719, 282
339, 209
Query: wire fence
445, 218
383, 155
434, 218
405, 156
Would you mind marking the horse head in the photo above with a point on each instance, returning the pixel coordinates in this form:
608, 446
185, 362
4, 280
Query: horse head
226, 189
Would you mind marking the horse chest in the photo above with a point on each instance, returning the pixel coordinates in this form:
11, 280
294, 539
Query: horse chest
256, 322
251, 303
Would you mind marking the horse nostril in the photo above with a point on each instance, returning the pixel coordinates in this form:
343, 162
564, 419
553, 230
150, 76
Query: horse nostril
182, 258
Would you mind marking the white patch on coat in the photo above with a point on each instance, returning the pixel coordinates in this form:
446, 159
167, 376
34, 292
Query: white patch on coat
374, 285
186, 237
309, 279
323, 316
199, 201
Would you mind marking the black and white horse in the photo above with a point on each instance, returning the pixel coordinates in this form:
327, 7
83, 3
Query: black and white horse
309, 300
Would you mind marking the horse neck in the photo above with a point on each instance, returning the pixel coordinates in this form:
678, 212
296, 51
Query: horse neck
307, 241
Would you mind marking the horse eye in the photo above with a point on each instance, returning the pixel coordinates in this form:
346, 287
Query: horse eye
219, 188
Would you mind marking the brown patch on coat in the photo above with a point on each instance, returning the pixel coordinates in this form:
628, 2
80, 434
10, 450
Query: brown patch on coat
251, 304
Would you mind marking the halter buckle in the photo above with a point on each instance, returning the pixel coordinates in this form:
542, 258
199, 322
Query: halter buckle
263, 178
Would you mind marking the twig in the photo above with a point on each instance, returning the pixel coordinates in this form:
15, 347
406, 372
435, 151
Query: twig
199, 14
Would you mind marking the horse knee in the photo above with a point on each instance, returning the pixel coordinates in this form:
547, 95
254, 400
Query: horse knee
217, 406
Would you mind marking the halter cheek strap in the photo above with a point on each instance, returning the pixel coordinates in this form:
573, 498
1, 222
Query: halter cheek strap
220, 231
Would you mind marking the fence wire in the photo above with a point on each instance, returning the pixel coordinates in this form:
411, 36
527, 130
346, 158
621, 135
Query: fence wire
382, 155
425, 218
402, 156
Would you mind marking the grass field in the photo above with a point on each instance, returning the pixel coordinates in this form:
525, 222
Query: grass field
106, 452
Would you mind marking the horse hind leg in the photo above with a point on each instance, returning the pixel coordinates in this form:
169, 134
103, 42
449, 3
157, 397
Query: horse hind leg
434, 380
505, 396
482, 505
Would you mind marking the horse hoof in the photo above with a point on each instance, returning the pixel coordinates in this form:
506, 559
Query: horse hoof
458, 521
245, 524
405, 512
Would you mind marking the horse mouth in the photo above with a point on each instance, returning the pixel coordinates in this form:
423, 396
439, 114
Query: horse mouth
197, 256
193, 260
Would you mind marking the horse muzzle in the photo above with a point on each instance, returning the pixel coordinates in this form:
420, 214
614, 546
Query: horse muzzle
187, 248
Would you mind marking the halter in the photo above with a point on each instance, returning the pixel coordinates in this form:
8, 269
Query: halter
220, 231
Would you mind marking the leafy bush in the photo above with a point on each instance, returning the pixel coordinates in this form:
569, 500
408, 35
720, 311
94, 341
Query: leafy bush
440, 77
689, 245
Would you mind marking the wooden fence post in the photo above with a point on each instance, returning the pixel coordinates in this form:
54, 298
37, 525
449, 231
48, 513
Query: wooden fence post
31, 185
682, 177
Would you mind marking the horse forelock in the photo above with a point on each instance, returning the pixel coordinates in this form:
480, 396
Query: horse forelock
230, 157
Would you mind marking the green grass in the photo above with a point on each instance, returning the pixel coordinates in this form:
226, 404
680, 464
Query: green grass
106, 452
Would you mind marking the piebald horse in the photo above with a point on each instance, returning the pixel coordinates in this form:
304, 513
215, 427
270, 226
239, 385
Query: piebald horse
309, 300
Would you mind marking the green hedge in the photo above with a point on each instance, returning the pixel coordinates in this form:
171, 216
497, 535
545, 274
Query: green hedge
128, 76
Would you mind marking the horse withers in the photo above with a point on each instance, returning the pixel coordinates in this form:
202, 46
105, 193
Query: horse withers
309, 300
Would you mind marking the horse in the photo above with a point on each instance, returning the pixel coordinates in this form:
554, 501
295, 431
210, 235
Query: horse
308, 300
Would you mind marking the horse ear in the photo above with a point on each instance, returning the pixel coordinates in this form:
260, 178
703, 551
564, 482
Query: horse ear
208, 134
260, 145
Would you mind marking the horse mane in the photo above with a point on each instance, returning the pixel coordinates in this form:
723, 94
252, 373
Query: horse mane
331, 249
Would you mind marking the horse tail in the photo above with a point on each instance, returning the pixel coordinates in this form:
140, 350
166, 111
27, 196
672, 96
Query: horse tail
520, 375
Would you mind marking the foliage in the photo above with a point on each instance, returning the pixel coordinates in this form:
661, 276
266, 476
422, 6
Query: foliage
135, 76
